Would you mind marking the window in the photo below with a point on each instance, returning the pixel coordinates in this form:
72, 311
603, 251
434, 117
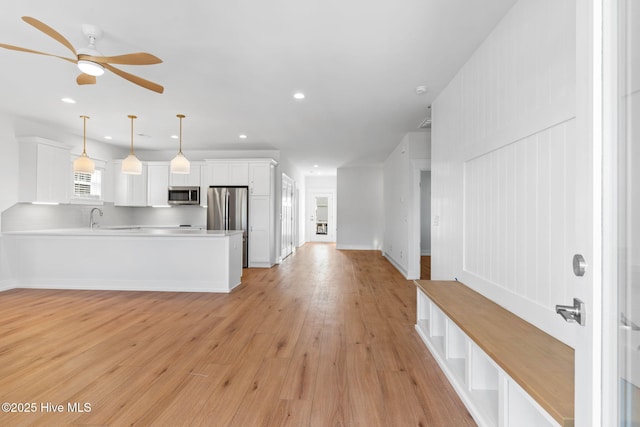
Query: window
87, 185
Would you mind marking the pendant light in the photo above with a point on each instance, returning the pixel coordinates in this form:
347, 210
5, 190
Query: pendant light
131, 165
84, 164
180, 164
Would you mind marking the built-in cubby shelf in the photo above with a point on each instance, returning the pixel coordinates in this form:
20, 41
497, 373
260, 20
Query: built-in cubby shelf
508, 389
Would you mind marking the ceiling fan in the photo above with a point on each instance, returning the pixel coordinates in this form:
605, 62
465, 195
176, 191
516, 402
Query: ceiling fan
90, 61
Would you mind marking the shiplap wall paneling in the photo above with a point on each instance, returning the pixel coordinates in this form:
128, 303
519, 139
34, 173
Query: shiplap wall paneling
504, 169
515, 210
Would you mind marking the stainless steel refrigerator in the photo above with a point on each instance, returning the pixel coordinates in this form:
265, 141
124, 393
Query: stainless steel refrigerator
228, 209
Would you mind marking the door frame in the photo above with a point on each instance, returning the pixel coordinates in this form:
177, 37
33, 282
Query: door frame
415, 219
588, 403
610, 203
331, 232
287, 222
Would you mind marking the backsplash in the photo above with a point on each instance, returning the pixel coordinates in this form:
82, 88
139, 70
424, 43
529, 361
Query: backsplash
27, 216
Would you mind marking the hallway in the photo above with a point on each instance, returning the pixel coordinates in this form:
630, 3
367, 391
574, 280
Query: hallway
325, 339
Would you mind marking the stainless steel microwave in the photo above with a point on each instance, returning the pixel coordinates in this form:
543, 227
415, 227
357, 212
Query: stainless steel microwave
184, 195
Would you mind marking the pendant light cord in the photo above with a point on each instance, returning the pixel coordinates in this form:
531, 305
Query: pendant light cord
132, 117
180, 116
84, 144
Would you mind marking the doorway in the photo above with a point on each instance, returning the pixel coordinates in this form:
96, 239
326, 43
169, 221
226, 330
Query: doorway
287, 222
321, 210
419, 219
425, 225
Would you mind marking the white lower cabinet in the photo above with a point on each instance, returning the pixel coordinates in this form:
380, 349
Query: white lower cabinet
491, 396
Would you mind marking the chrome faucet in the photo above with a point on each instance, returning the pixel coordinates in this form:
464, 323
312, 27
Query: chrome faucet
92, 223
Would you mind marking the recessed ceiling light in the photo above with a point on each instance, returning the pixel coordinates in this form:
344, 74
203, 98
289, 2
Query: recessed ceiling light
68, 100
315, 166
298, 95
108, 137
421, 90
174, 136
242, 136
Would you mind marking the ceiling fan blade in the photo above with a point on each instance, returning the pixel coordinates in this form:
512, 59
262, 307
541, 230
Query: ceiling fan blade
49, 31
139, 58
22, 49
86, 79
135, 79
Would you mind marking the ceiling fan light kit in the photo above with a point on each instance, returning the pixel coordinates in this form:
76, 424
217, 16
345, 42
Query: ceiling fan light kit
90, 67
180, 164
89, 60
84, 164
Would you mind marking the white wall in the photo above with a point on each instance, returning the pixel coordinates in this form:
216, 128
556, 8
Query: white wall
360, 215
503, 164
400, 201
9, 188
8, 164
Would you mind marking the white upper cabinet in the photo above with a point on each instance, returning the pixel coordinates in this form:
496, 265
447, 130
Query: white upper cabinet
260, 177
45, 171
191, 179
238, 173
158, 184
129, 190
228, 172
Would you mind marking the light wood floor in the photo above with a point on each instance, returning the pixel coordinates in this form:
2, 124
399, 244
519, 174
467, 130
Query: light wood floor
425, 267
324, 339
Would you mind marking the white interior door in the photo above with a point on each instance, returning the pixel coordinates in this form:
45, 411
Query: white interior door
287, 216
321, 214
585, 224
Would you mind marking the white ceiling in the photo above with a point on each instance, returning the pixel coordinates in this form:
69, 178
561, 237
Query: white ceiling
232, 67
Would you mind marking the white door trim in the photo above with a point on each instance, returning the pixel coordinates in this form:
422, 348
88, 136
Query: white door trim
588, 342
415, 220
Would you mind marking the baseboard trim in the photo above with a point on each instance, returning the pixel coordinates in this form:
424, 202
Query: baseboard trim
127, 285
398, 267
6, 285
355, 248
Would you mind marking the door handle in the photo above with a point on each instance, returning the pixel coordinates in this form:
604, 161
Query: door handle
573, 314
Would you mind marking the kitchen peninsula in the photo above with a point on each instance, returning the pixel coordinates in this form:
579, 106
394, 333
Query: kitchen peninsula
126, 258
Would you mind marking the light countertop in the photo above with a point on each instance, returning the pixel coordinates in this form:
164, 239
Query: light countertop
129, 231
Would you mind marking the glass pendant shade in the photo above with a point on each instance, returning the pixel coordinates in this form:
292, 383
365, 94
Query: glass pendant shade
180, 164
131, 165
84, 164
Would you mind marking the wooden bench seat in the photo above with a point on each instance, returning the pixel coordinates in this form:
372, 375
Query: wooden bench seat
540, 364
